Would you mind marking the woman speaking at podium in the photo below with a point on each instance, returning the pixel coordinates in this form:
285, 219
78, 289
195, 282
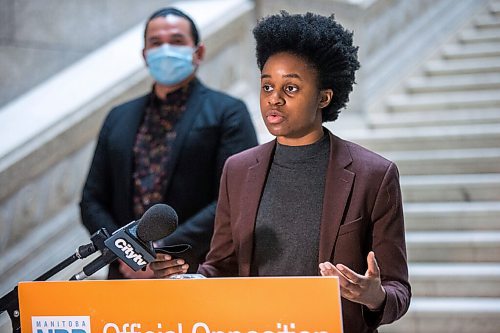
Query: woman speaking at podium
310, 203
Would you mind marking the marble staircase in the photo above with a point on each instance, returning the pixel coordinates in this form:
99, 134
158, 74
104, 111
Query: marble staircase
442, 128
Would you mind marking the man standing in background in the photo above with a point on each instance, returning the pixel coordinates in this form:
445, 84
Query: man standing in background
168, 146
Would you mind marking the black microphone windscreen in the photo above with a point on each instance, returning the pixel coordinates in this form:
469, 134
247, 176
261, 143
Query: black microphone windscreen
158, 222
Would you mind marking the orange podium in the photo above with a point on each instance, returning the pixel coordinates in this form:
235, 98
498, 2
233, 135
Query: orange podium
215, 305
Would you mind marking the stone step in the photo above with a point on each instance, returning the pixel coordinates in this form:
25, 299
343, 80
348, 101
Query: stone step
462, 66
480, 35
437, 137
449, 314
455, 279
453, 161
435, 117
444, 100
466, 188
468, 82
464, 51
494, 8
486, 21
445, 216
453, 246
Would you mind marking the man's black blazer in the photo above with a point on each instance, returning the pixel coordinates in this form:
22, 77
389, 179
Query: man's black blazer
213, 127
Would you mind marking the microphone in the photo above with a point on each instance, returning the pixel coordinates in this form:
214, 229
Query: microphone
133, 243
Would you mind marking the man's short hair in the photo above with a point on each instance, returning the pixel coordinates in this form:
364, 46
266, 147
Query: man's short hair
174, 11
318, 40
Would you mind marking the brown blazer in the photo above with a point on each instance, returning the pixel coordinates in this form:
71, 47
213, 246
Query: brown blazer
362, 211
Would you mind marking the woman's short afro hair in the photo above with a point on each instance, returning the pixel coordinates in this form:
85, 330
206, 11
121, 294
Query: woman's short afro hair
320, 41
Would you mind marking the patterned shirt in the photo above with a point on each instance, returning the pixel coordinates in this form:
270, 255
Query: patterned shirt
153, 145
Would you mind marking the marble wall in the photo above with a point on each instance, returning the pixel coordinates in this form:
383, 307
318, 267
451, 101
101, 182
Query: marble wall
39, 38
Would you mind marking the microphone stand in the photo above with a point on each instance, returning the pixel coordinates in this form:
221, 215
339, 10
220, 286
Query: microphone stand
10, 301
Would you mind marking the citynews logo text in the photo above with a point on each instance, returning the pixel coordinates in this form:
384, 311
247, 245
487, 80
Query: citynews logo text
60, 324
130, 252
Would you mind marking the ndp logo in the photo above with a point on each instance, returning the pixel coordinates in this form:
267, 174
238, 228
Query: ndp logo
60, 324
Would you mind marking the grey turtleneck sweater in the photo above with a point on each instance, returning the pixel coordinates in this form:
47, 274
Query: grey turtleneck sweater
286, 239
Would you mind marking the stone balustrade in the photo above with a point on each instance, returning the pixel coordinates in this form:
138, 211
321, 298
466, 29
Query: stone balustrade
48, 134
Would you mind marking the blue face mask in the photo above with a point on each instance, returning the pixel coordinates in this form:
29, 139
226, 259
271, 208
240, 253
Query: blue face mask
170, 64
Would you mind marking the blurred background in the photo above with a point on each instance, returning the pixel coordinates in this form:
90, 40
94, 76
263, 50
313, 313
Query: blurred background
427, 97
